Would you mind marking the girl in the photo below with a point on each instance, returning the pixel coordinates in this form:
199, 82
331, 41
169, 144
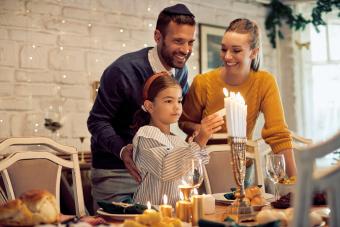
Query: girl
157, 152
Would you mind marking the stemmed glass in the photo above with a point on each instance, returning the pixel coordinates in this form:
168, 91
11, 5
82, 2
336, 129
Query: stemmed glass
192, 177
276, 169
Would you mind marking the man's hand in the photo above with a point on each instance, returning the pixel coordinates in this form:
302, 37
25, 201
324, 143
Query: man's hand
129, 163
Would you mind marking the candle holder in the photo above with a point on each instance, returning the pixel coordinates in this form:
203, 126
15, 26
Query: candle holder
240, 210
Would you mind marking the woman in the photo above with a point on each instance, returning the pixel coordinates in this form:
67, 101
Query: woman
240, 73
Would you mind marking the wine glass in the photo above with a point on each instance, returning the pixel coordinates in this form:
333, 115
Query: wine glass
276, 169
192, 177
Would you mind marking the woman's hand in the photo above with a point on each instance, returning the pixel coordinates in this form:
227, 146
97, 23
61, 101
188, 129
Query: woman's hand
209, 125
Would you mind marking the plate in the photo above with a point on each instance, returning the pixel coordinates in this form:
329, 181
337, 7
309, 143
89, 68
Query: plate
219, 197
119, 217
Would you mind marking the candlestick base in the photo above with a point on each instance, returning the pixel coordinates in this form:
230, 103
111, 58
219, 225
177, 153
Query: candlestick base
240, 212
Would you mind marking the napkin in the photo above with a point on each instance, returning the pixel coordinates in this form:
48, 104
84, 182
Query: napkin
122, 208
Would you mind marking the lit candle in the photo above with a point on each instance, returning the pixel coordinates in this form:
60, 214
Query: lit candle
149, 216
183, 209
165, 209
209, 204
197, 207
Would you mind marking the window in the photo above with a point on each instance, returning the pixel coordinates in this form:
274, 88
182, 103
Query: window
321, 84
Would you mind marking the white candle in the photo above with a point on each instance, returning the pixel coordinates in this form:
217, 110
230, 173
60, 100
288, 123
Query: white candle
209, 204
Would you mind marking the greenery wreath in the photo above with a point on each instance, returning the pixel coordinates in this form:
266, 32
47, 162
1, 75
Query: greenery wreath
279, 13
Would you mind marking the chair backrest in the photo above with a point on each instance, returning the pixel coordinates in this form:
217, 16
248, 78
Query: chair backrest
218, 172
310, 177
24, 170
218, 175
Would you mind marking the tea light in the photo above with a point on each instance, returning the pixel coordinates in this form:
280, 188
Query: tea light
149, 216
197, 208
209, 204
165, 209
183, 209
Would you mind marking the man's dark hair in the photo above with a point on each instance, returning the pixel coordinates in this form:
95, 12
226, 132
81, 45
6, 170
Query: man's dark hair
165, 18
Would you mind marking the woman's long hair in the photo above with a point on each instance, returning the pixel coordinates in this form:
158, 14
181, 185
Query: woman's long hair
246, 26
153, 85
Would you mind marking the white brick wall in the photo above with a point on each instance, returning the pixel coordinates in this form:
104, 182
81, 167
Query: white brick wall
53, 50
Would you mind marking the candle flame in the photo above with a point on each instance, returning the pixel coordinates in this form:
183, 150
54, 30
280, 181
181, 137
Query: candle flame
148, 204
195, 191
165, 199
225, 92
181, 196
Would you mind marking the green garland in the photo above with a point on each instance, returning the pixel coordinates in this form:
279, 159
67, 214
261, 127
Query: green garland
280, 12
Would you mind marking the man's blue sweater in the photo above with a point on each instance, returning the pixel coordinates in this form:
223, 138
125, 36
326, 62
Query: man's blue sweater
119, 97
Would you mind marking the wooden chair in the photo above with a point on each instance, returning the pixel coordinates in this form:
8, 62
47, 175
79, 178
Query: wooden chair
25, 170
310, 178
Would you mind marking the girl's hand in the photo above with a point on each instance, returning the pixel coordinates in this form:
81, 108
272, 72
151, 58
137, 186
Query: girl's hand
209, 125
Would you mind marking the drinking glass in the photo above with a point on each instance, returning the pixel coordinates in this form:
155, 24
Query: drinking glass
276, 169
192, 177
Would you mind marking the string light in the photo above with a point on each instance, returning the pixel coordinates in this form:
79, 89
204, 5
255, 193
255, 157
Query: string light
145, 45
97, 60
30, 58
121, 30
194, 67
123, 45
64, 76
63, 21
150, 25
61, 48
149, 9
33, 46
192, 54
89, 25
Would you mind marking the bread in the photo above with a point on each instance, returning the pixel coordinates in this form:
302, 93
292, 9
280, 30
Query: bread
32, 208
15, 213
258, 201
42, 204
252, 191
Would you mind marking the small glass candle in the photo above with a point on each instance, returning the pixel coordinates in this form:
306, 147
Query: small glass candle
165, 209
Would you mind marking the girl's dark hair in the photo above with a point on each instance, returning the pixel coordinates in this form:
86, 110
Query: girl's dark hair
245, 26
152, 86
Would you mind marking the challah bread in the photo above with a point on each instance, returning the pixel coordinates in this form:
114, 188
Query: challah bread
258, 201
32, 208
15, 213
252, 191
42, 204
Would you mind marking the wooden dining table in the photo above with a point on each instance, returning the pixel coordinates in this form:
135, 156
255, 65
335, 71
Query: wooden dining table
219, 215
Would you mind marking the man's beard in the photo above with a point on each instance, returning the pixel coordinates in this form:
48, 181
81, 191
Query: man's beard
169, 57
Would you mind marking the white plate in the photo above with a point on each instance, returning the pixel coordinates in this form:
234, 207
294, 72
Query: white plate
119, 217
219, 197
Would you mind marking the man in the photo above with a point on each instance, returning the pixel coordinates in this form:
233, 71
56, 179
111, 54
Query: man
120, 96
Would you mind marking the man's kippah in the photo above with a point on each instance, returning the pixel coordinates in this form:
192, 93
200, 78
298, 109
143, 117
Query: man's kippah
178, 9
